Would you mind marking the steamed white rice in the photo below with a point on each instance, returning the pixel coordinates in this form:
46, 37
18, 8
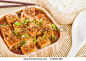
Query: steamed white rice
67, 6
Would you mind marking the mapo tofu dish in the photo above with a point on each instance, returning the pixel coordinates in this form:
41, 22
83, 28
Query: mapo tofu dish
28, 30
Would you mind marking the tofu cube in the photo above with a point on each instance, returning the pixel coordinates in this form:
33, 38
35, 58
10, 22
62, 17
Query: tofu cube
42, 43
11, 18
32, 29
28, 48
9, 38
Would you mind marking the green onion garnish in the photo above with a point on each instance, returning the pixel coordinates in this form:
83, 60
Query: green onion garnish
3, 25
23, 43
16, 30
25, 36
25, 21
53, 37
17, 23
53, 26
40, 22
44, 37
34, 40
34, 21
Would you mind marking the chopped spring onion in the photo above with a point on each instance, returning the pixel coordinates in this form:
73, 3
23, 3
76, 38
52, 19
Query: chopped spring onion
25, 36
17, 23
3, 25
53, 26
34, 40
25, 21
23, 43
53, 37
44, 37
16, 30
40, 22
34, 21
